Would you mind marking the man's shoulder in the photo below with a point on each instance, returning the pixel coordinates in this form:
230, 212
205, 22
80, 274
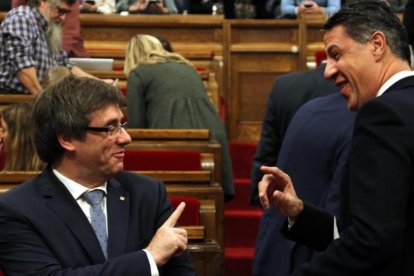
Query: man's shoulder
132, 180
23, 10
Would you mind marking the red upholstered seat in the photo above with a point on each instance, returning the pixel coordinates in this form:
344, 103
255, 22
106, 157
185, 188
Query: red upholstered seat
2, 162
162, 160
242, 153
319, 57
191, 214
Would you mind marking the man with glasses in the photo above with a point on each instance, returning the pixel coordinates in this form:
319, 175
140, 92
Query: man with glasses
49, 225
30, 43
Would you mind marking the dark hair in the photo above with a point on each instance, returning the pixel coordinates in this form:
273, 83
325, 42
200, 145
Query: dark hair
165, 44
362, 18
65, 108
35, 3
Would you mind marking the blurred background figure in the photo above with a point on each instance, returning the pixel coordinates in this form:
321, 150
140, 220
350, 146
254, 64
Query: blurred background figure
295, 8
16, 141
147, 6
165, 44
165, 91
72, 41
98, 6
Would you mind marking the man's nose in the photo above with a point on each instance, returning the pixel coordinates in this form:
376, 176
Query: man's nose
123, 137
330, 70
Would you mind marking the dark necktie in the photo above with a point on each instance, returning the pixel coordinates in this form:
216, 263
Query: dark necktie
98, 220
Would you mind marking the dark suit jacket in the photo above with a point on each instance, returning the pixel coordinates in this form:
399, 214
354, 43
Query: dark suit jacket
378, 200
289, 92
314, 153
44, 231
408, 20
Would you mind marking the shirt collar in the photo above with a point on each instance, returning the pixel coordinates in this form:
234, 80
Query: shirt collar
396, 77
39, 18
74, 188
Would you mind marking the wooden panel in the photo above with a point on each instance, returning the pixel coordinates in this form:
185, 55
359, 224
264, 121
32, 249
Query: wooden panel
169, 134
257, 51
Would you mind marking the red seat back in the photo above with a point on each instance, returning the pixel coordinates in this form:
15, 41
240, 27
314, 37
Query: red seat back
162, 160
191, 214
242, 153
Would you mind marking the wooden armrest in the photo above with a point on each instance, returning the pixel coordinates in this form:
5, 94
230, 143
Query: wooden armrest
168, 134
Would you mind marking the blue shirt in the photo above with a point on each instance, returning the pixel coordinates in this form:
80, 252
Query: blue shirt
330, 6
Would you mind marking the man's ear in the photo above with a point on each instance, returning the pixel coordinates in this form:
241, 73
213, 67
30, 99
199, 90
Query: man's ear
66, 142
379, 43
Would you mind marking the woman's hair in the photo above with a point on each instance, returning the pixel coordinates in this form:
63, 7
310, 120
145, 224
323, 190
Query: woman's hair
147, 49
21, 153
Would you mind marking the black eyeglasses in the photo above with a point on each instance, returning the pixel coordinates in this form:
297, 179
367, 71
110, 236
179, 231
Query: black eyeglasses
62, 11
110, 130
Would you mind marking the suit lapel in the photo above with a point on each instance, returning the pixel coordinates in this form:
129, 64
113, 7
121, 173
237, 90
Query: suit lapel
61, 202
118, 218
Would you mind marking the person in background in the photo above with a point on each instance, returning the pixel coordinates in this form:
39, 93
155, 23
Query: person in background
368, 58
98, 6
314, 153
27, 50
165, 91
289, 93
293, 8
60, 228
16, 140
72, 41
140, 6
5, 6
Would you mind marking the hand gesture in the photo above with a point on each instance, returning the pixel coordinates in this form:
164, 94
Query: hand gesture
276, 188
168, 240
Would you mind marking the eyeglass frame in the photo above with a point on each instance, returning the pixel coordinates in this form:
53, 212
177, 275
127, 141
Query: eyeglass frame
110, 130
62, 11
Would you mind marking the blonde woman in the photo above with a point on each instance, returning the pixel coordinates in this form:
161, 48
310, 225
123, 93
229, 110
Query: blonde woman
165, 91
16, 140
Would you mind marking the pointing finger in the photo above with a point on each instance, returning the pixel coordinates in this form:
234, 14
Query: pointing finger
172, 220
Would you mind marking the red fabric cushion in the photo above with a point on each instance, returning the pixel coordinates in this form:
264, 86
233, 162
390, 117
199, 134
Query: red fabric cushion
162, 160
319, 57
191, 214
2, 162
242, 153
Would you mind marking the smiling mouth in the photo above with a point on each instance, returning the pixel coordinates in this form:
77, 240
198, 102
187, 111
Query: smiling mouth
341, 84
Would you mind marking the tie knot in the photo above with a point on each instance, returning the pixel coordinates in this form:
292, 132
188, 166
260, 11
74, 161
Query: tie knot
93, 197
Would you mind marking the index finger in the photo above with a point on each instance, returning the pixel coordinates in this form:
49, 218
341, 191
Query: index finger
172, 220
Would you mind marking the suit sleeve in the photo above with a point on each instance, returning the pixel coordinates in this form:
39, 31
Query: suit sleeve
379, 191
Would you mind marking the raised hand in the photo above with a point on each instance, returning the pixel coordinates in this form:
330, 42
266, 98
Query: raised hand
276, 188
169, 240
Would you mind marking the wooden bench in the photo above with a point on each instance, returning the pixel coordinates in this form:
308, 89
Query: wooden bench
257, 52
202, 185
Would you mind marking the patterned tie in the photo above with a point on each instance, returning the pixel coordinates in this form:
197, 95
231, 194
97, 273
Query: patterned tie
98, 220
